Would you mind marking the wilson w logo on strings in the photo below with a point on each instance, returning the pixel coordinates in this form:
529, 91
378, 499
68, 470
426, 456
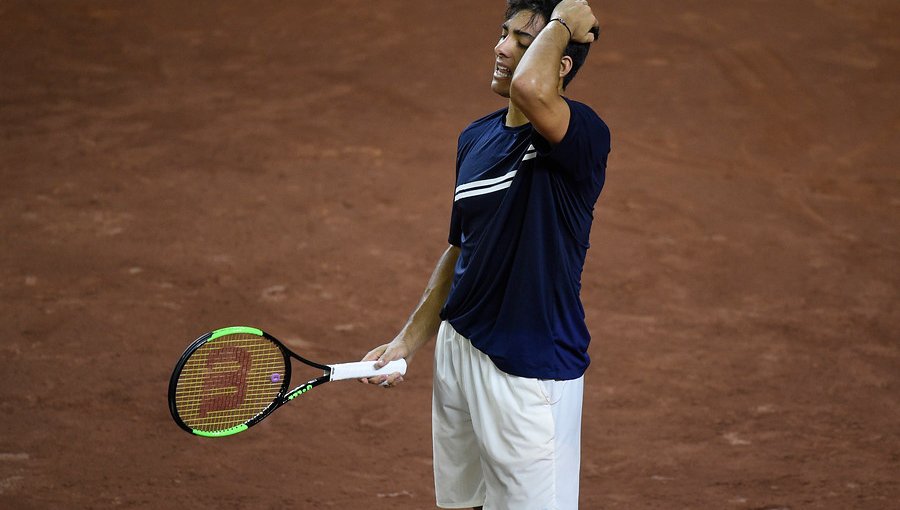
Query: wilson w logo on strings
226, 383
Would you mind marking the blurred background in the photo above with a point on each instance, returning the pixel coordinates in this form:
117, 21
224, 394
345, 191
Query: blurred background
169, 168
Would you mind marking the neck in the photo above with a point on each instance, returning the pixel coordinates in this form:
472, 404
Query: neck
515, 117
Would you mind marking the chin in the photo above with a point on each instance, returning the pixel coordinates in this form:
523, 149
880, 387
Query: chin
501, 89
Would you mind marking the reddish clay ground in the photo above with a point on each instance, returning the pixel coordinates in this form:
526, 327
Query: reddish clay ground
172, 167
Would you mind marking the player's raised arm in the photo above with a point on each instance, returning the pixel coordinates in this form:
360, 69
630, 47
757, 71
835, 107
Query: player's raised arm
537, 85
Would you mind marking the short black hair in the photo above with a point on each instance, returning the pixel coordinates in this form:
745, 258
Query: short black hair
544, 8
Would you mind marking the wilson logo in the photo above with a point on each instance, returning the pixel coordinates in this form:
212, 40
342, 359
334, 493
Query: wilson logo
225, 389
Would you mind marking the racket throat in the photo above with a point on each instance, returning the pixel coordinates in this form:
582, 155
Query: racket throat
303, 388
296, 392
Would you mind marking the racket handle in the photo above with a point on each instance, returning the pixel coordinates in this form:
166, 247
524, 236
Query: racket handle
360, 369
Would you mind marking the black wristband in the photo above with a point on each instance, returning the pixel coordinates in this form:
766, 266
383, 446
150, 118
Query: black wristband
563, 23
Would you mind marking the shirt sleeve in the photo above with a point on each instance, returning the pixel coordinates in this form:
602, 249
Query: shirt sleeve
584, 149
455, 235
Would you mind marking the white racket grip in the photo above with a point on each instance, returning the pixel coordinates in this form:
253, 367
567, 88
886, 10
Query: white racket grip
361, 369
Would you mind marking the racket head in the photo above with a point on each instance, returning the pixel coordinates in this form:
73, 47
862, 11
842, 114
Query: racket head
227, 380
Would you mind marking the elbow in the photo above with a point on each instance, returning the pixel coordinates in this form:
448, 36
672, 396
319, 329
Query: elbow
528, 93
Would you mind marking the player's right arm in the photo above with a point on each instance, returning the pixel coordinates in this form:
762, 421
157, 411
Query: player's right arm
424, 321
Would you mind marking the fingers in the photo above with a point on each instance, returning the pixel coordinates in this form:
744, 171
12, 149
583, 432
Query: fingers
382, 355
391, 380
396, 349
391, 353
375, 353
580, 19
385, 381
594, 32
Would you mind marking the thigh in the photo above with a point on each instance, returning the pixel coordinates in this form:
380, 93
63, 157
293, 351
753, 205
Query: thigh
566, 398
514, 424
458, 478
525, 433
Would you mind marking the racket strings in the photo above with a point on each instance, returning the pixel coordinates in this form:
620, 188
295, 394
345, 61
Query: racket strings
228, 381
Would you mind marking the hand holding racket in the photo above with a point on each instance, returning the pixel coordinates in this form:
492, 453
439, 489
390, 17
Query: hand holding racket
230, 379
381, 356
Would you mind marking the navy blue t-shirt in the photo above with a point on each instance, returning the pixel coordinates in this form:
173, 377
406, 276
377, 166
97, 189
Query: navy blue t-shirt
522, 214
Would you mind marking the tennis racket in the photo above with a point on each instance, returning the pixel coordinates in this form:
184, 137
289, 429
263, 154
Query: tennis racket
230, 379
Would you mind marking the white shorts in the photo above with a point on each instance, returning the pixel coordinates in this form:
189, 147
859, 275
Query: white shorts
501, 441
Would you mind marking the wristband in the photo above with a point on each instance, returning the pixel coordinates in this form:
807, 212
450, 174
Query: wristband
563, 23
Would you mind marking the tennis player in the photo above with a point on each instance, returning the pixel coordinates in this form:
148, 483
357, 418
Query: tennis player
504, 298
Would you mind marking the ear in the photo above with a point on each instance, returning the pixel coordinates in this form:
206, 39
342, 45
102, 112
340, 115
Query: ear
565, 65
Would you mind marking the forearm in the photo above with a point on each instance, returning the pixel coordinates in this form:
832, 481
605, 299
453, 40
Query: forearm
536, 79
425, 320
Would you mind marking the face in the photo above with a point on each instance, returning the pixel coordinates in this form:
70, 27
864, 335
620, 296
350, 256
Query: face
516, 35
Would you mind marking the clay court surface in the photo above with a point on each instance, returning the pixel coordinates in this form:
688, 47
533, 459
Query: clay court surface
169, 168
